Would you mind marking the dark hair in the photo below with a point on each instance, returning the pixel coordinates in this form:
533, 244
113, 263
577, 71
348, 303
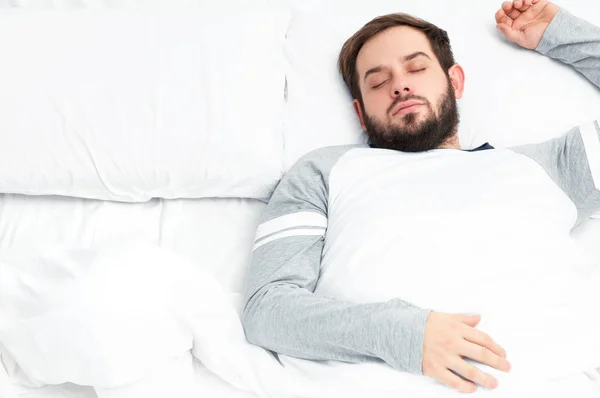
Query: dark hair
438, 38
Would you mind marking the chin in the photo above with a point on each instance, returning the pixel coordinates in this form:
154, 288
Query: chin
410, 119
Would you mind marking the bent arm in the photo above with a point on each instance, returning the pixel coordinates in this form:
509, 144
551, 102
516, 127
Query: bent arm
283, 314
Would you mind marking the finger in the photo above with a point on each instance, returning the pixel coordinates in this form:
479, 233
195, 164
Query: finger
510, 10
501, 17
514, 13
455, 382
484, 340
518, 3
470, 372
469, 320
484, 356
523, 5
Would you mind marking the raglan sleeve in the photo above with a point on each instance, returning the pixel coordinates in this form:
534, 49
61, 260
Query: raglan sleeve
573, 162
282, 312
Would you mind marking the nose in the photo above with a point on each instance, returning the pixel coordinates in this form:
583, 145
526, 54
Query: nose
401, 88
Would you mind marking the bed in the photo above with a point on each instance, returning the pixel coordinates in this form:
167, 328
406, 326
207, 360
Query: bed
145, 138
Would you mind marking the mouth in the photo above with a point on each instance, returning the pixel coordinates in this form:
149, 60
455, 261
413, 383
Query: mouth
406, 107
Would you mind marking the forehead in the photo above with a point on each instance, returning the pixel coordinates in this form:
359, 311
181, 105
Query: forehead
391, 45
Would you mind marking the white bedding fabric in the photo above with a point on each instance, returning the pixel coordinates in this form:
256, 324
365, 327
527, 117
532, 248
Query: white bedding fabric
217, 234
207, 384
123, 311
127, 311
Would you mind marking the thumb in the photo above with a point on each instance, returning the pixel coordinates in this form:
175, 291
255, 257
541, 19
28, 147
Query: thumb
469, 320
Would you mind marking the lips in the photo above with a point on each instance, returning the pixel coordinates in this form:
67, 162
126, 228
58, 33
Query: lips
406, 105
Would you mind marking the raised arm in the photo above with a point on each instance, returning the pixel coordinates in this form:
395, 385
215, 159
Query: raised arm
554, 32
573, 160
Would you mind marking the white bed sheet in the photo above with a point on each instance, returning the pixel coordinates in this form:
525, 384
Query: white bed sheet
217, 234
31, 221
207, 383
587, 237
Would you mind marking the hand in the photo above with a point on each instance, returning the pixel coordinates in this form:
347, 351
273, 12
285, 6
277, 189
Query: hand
449, 338
525, 21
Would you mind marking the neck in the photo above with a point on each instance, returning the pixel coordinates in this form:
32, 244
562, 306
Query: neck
451, 143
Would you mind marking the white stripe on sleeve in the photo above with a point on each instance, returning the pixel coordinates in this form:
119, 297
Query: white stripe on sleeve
288, 233
294, 220
591, 142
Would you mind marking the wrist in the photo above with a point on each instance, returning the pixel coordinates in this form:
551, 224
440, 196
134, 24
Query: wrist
557, 25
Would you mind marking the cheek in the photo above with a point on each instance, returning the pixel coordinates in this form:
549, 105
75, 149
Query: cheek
376, 104
437, 91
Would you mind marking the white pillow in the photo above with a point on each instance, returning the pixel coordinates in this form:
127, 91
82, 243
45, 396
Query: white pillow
512, 95
130, 104
229, 4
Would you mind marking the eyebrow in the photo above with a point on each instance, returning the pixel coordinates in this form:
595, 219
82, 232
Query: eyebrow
404, 59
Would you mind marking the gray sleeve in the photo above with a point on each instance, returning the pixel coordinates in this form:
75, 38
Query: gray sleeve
573, 162
575, 42
283, 313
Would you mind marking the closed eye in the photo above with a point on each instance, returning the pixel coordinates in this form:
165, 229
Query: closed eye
379, 85
417, 71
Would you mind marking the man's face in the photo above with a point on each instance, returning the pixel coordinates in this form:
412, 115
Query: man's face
409, 103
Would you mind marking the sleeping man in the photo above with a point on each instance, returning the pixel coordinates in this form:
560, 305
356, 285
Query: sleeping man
414, 252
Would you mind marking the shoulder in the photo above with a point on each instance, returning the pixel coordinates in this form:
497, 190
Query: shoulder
321, 160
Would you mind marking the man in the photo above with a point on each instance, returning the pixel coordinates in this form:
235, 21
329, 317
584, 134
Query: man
405, 82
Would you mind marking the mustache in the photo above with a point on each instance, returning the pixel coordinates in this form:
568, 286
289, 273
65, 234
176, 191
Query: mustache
407, 98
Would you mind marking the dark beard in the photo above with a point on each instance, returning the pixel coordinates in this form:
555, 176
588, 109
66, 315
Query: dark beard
415, 136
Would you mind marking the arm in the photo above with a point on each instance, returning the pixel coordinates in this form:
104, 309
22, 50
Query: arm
575, 42
573, 160
283, 314
550, 30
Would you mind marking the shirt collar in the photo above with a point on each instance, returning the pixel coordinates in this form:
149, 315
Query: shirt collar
479, 148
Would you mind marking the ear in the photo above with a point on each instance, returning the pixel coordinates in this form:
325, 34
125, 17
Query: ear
457, 79
359, 113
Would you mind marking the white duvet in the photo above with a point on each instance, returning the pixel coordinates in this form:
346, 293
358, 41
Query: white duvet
115, 317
